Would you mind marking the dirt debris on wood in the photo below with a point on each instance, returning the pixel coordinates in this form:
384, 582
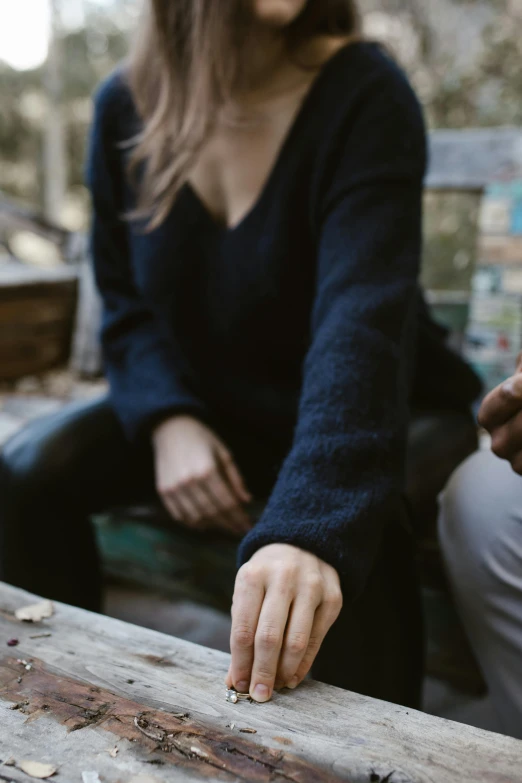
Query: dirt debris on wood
36, 769
35, 613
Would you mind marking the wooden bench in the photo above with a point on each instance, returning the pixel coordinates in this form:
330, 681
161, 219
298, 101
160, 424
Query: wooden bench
89, 694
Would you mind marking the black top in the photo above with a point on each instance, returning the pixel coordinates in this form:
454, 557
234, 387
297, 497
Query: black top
300, 335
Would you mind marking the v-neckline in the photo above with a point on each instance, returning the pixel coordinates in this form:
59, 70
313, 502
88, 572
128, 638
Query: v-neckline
273, 171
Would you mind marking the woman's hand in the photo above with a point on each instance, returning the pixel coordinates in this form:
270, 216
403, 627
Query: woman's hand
196, 477
501, 415
285, 602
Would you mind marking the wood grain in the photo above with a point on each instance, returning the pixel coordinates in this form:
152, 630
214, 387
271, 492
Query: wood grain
134, 671
175, 739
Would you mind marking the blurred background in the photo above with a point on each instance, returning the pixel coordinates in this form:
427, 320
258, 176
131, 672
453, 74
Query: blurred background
464, 58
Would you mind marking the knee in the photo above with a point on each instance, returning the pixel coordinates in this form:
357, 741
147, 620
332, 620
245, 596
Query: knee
478, 519
48, 453
31, 459
461, 505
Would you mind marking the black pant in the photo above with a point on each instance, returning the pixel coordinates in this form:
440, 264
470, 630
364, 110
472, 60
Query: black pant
60, 470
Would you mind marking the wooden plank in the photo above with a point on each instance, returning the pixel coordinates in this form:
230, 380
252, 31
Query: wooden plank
16, 217
96, 684
37, 309
471, 158
14, 276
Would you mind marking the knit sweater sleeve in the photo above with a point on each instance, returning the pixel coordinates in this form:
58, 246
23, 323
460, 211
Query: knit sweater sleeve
143, 365
342, 480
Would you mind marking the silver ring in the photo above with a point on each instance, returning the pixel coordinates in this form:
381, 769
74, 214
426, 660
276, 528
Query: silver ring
234, 696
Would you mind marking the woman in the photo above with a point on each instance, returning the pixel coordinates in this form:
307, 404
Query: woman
256, 173
481, 539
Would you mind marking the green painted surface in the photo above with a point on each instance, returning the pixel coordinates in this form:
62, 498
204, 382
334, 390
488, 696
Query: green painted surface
176, 562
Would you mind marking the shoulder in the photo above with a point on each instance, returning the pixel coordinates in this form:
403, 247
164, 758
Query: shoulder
365, 77
114, 122
374, 115
370, 124
114, 110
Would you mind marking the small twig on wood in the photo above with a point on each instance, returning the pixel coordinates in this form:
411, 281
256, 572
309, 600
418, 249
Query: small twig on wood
198, 752
154, 733
40, 636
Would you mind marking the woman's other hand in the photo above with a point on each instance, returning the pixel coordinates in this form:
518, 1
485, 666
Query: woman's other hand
285, 602
196, 477
501, 415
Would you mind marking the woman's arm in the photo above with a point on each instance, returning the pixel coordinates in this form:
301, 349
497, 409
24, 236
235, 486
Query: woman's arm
143, 367
342, 481
196, 476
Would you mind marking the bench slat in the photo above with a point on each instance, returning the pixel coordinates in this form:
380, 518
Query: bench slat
470, 159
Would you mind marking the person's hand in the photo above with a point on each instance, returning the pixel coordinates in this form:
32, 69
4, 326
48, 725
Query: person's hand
285, 602
501, 415
196, 477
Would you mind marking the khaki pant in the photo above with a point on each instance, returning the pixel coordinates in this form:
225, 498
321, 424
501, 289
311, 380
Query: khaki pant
480, 532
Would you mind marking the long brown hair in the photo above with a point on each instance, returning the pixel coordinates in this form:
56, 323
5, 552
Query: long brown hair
184, 67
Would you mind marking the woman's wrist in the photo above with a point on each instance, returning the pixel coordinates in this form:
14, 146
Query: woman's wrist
166, 424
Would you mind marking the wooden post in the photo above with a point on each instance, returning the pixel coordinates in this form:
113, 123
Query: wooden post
54, 144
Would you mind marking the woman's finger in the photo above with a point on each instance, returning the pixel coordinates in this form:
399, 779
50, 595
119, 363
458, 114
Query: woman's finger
297, 636
223, 519
234, 522
248, 599
192, 514
205, 502
206, 506
269, 641
233, 476
325, 616
227, 504
173, 507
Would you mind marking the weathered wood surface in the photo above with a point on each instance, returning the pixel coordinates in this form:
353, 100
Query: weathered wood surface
97, 684
37, 310
471, 158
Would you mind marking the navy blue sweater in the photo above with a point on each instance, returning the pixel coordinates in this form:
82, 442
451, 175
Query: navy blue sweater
300, 335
